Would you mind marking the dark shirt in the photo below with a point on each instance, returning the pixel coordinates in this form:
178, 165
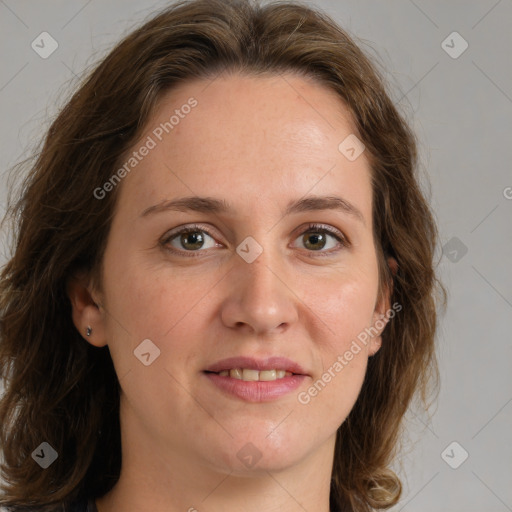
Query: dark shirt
84, 506
91, 506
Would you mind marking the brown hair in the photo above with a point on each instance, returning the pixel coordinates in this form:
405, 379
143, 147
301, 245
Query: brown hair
62, 390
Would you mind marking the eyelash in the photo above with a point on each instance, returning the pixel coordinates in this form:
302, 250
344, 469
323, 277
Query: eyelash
317, 228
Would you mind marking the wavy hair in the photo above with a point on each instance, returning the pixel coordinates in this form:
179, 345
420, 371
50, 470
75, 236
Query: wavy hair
62, 390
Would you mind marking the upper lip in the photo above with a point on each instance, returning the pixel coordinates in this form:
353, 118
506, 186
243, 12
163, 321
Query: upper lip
269, 363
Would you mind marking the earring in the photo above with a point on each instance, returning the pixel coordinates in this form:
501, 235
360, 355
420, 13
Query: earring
88, 331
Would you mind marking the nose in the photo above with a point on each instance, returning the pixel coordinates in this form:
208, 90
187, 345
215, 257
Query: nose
260, 299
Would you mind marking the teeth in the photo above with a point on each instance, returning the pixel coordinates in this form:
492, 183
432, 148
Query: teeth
236, 374
255, 375
268, 375
250, 375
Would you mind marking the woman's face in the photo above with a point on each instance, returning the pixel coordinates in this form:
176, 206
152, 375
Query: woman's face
250, 280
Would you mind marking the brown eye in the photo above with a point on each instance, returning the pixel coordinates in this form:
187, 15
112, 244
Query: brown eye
314, 241
189, 239
192, 240
316, 238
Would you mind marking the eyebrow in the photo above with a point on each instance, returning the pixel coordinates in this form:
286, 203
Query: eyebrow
218, 206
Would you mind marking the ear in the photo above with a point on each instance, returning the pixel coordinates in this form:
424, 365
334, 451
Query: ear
85, 310
380, 316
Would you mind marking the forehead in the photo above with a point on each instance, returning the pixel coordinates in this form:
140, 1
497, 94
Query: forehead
255, 138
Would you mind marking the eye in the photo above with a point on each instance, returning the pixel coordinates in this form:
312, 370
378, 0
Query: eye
188, 239
316, 237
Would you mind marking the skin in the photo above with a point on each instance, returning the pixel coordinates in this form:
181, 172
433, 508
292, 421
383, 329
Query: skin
258, 143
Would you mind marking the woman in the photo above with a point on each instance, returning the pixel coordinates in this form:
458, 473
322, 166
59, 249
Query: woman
222, 293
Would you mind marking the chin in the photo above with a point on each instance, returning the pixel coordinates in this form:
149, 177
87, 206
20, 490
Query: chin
257, 454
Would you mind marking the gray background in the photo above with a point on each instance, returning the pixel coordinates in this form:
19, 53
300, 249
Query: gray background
461, 109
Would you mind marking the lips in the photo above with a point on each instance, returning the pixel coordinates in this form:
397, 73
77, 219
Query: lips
256, 380
261, 365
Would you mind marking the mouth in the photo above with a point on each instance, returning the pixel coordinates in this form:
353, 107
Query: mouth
250, 375
252, 369
256, 380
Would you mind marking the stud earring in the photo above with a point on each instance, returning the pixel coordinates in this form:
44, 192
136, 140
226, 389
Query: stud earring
88, 331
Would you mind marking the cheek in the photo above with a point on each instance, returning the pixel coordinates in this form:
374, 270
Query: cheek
345, 307
344, 302
170, 307
150, 300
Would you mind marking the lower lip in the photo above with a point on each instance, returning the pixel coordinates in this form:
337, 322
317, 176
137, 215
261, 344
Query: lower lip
257, 391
